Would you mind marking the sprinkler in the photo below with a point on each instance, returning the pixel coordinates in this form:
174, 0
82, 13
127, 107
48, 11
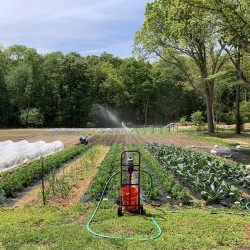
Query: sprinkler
130, 184
84, 139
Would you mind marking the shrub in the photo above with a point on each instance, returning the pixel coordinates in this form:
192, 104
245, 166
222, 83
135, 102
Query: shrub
245, 111
183, 120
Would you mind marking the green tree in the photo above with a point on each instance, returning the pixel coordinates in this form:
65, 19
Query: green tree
197, 118
24, 78
233, 31
76, 99
173, 97
6, 114
31, 118
177, 33
51, 105
245, 111
139, 87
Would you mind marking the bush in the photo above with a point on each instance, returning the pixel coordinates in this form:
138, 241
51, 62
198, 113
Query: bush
183, 120
197, 118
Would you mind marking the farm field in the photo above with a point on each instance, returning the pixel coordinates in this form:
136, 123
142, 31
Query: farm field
191, 213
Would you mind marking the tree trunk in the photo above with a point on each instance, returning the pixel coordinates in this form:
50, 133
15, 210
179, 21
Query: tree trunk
145, 110
209, 106
237, 111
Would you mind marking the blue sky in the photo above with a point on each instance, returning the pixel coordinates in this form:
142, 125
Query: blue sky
88, 27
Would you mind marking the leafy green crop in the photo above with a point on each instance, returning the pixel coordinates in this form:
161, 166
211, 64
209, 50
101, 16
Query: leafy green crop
110, 165
162, 180
215, 180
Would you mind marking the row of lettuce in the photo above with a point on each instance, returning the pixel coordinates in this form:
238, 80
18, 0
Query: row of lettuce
17, 179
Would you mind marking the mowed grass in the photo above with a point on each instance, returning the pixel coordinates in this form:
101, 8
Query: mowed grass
223, 139
54, 227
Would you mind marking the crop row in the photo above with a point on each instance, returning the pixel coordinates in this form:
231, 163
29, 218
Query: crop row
163, 183
215, 179
16, 180
110, 165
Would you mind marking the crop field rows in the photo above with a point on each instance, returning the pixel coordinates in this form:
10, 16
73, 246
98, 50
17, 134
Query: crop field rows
215, 182
179, 175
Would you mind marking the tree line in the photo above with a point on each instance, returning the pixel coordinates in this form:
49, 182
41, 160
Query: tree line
57, 90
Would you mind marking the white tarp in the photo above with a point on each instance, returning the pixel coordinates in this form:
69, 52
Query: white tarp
13, 153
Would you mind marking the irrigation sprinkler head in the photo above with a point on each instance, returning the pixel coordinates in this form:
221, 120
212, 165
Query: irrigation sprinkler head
130, 163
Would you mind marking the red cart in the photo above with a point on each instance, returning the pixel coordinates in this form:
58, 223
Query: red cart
130, 183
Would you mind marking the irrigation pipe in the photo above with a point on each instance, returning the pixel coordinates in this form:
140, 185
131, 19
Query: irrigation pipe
159, 230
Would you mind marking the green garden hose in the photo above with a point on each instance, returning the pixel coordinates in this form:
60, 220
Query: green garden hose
247, 206
159, 230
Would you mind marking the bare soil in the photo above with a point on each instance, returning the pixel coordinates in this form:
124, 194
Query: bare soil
72, 138
178, 140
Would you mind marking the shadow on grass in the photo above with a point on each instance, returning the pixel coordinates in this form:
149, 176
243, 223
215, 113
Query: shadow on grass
227, 135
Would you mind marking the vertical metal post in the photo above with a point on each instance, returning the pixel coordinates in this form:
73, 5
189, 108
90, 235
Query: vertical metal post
43, 187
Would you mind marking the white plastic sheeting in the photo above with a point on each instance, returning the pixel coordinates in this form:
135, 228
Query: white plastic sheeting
14, 153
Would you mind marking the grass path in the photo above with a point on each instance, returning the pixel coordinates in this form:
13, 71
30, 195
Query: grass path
55, 227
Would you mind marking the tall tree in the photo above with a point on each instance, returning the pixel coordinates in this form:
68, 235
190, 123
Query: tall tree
24, 78
233, 30
169, 84
5, 108
76, 99
139, 87
51, 106
175, 31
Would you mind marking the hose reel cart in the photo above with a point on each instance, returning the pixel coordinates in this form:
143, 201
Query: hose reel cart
130, 183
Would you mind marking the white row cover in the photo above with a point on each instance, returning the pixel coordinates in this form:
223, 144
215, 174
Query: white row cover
14, 153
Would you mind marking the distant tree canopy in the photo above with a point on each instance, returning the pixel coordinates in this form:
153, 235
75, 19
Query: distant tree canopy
57, 90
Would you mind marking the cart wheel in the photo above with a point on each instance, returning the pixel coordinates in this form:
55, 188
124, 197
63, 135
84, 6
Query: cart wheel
142, 211
119, 211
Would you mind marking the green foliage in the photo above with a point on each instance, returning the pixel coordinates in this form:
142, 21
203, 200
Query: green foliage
16, 180
110, 165
162, 180
215, 180
31, 118
183, 121
197, 118
57, 90
245, 111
